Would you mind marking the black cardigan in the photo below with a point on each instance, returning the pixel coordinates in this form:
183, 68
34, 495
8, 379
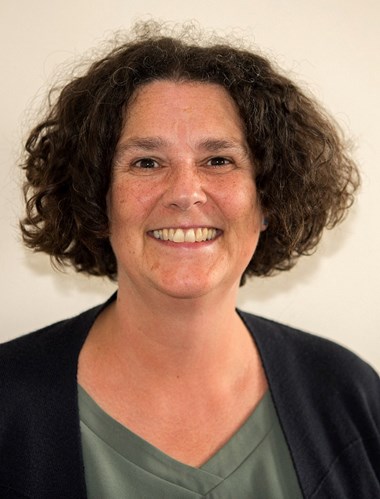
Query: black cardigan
327, 400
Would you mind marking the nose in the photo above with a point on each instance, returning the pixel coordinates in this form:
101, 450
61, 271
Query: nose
185, 188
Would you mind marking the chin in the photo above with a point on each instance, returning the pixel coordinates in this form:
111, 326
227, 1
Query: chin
193, 288
186, 291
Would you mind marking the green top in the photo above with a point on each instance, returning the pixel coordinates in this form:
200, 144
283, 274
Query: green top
254, 463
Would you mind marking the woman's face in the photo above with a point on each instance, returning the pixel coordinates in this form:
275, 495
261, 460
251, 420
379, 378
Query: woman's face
183, 209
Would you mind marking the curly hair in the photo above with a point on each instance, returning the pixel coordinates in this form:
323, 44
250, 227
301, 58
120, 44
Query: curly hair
304, 175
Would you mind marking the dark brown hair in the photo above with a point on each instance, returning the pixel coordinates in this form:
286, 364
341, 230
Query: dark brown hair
304, 176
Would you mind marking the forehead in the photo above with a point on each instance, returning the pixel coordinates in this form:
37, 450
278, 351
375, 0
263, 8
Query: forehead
166, 104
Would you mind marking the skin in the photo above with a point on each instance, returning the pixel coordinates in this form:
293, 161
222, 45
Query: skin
173, 360
183, 189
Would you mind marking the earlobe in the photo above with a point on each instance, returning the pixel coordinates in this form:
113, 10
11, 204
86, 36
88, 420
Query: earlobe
264, 223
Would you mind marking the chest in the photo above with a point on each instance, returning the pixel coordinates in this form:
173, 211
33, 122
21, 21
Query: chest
190, 424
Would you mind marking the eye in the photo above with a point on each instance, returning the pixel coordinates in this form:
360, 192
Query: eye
146, 163
218, 161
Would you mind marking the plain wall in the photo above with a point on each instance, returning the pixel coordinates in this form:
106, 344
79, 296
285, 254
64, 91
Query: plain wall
331, 46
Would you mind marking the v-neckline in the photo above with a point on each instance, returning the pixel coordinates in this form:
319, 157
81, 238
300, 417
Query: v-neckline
143, 454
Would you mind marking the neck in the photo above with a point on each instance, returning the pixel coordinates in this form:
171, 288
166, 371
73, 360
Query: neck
170, 338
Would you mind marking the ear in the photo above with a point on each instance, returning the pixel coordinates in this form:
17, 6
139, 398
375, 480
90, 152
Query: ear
264, 223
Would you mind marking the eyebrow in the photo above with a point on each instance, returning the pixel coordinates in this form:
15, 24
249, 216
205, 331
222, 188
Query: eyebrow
214, 145
147, 143
207, 144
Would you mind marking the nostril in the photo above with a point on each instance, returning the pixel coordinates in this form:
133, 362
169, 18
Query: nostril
185, 201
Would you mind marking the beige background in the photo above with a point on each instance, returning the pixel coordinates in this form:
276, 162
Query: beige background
330, 45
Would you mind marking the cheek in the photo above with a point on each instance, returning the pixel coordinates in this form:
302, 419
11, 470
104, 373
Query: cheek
125, 202
241, 201
119, 214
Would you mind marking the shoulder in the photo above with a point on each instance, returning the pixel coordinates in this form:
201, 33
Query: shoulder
45, 350
38, 373
302, 348
328, 403
39, 417
52, 334
312, 364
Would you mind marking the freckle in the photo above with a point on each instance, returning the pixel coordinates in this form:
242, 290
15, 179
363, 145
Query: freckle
155, 266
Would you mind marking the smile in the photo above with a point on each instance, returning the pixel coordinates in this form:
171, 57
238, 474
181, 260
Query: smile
192, 235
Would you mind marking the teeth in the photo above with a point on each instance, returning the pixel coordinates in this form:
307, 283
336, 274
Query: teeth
189, 235
198, 235
179, 236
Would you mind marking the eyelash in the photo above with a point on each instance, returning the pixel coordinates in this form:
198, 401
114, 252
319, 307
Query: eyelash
150, 160
219, 159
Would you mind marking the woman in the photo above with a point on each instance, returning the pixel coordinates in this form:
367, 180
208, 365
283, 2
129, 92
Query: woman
180, 169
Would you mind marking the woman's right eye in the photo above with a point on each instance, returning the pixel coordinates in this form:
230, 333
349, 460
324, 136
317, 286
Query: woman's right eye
146, 163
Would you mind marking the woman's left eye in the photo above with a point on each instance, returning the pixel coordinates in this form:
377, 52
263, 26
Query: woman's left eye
218, 161
146, 163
